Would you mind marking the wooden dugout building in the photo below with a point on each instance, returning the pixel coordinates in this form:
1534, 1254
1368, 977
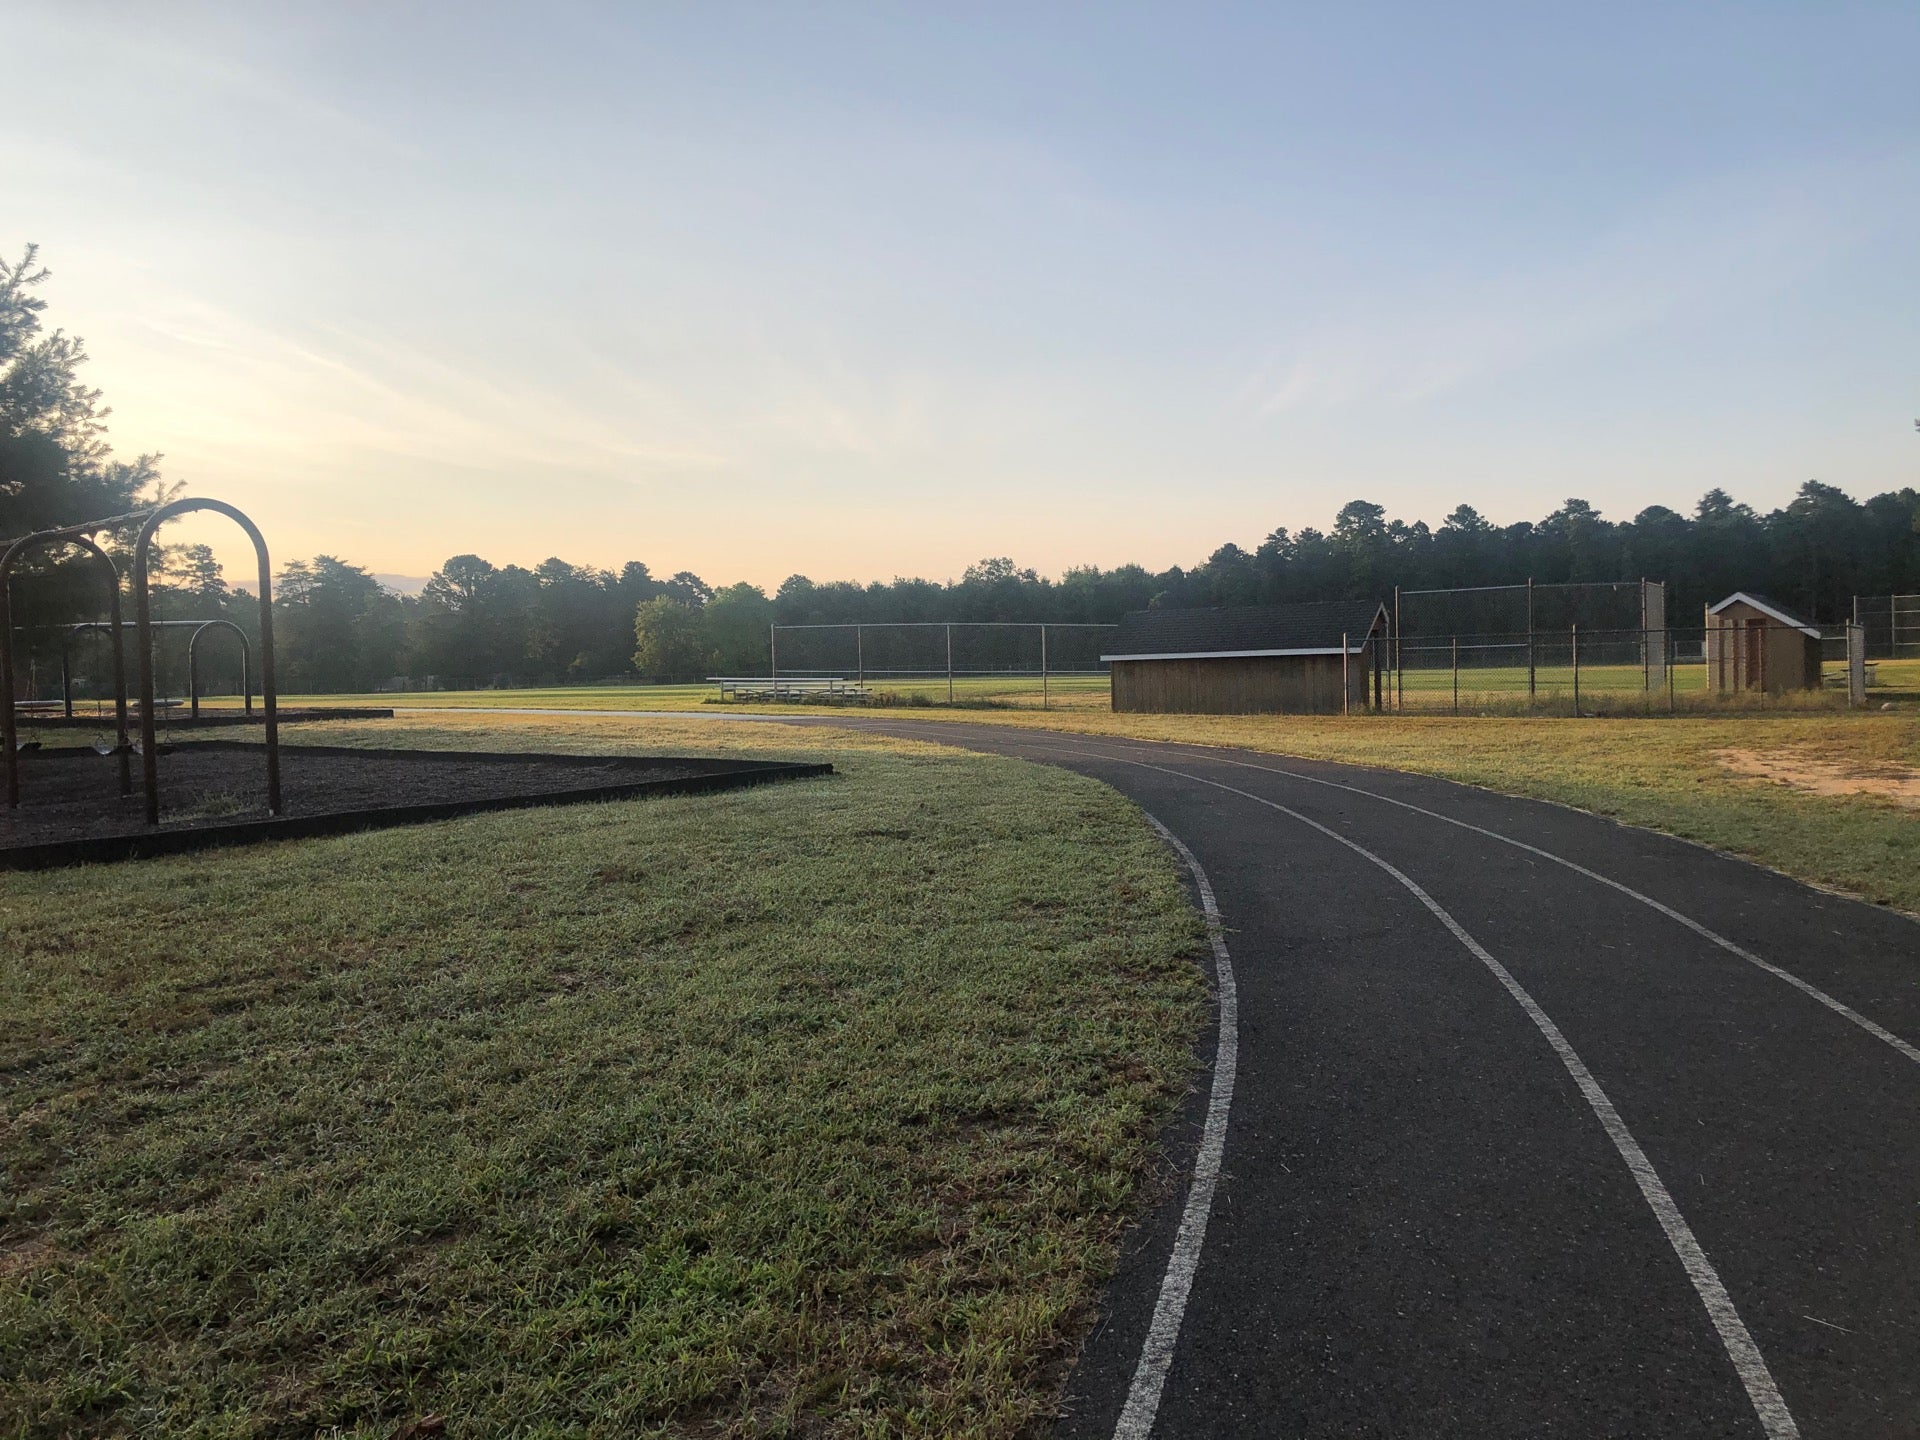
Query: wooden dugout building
1314, 659
1754, 643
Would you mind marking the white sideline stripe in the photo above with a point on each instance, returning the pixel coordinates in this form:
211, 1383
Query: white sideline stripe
1748, 1363
1840, 1008
1163, 1335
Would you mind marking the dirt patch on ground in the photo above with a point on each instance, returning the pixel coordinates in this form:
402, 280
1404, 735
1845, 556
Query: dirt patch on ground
22, 1257
1819, 776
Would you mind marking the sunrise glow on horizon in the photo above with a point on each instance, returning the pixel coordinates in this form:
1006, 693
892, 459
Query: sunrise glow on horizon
853, 293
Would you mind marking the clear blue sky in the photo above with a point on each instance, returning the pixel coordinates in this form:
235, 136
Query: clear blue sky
873, 289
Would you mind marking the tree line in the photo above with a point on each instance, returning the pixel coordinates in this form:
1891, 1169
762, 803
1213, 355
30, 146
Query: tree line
476, 623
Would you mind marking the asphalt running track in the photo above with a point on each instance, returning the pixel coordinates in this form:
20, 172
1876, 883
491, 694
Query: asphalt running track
1518, 1122
1512, 1150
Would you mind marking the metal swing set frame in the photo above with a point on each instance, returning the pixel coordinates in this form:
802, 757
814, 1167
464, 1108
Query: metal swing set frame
149, 521
197, 627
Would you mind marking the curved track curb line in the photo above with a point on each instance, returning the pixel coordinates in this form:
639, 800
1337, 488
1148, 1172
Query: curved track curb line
1748, 1363
1163, 1334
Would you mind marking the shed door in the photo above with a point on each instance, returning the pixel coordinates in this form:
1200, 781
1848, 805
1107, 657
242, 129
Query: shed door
1756, 655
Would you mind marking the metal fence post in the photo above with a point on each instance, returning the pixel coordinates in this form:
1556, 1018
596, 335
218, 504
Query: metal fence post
1530, 664
1576, 669
1456, 675
949, 664
1673, 653
1399, 657
773, 659
1346, 678
859, 658
1045, 700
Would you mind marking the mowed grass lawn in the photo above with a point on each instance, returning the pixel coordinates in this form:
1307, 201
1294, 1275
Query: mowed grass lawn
1667, 773
811, 1109
1428, 689
917, 692
1676, 774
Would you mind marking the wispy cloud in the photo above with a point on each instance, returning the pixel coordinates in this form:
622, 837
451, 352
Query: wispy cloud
205, 61
340, 392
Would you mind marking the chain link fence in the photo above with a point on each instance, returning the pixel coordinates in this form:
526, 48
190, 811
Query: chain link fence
964, 663
1891, 623
1653, 671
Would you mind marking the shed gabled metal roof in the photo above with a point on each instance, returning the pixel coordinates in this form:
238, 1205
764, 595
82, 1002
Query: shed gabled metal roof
1773, 609
1246, 631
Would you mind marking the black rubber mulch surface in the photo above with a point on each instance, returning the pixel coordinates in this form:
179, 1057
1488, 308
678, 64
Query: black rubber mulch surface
214, 792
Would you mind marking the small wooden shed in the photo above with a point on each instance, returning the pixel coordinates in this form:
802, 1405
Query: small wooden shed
1316, 659
1754, 643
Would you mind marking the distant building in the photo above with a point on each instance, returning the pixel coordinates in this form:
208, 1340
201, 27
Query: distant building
1754, 643
1319, 659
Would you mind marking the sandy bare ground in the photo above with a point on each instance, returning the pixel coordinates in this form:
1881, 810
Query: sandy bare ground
1817, 776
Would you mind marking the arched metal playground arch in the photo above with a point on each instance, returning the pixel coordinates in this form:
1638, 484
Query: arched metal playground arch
149, 522
193, 664
199, 628
81, 536
74, 632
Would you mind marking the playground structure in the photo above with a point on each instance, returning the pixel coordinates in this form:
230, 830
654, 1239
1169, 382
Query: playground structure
198, 627
82, 536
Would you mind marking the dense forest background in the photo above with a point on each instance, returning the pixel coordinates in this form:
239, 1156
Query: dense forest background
477, 623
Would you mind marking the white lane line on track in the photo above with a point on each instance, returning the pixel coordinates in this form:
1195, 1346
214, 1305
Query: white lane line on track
1748, 1363
1163, 1334
1839, 1007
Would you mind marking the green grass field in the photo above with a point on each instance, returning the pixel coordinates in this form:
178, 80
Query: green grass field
810, 1109
622, 1119
1663, 771
1674, 774
1671, 774
970, 691
1623, 688
1605, 687
1636, 762
1668, 773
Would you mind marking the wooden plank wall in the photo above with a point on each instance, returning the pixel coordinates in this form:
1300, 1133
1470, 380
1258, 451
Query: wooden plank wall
1790, 661
1271, 685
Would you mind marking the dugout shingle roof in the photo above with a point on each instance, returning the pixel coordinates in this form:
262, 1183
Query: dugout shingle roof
1769, 607
1252, 630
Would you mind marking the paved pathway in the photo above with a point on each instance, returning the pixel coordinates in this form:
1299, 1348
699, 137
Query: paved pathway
1539, 1125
